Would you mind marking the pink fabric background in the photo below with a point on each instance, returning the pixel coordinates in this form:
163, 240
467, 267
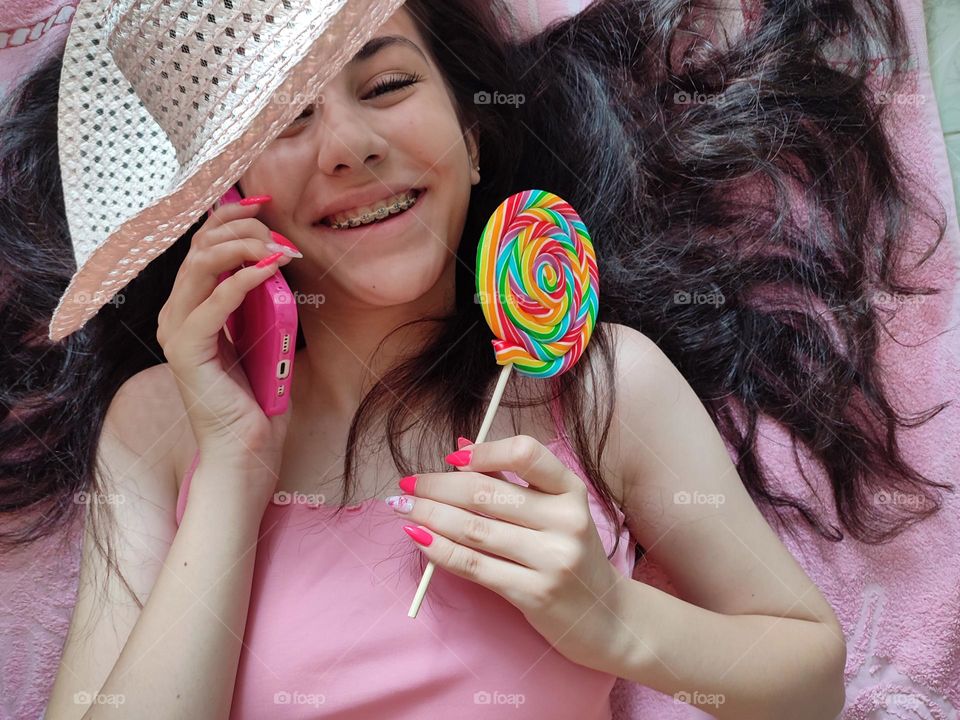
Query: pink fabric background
899, 604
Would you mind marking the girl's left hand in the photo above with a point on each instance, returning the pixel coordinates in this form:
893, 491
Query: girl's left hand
543, 552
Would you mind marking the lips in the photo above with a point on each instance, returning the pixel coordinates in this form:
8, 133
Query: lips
362, 201
368, 208
392, 223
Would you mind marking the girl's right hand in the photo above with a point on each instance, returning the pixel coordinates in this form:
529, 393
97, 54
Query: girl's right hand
228, 423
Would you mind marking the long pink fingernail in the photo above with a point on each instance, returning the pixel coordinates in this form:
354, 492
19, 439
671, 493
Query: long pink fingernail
458, 458
462, 442
281, 240
270, 259
408, 484
419, 534
256, 199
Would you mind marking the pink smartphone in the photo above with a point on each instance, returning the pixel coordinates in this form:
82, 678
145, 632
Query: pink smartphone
264, 332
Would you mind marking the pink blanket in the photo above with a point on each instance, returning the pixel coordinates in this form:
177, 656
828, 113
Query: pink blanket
899, 604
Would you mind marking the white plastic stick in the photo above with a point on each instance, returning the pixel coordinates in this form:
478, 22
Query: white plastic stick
484, 429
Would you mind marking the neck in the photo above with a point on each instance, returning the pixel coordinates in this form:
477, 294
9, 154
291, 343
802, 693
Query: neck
344, 358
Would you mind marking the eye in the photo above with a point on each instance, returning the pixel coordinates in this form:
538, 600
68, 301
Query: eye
395, 82
383, 86
298, 120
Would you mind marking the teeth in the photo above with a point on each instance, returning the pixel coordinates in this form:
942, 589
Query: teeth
371, 213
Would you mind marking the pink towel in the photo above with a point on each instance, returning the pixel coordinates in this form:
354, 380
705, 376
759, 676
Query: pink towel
899, 604
29, 31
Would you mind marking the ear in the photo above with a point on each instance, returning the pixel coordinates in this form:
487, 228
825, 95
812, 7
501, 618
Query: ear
473, 151
472, 138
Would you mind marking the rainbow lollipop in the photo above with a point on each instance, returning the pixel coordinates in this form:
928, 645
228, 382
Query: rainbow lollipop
537, 283
538, 286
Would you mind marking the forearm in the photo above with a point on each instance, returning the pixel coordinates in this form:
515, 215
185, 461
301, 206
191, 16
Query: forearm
731, 666
181, 657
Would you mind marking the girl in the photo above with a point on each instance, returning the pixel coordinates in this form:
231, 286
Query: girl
244, 605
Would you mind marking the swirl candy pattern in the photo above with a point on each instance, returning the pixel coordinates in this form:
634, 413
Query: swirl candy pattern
537, 283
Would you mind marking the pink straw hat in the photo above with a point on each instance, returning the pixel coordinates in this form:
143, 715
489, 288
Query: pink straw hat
164, 105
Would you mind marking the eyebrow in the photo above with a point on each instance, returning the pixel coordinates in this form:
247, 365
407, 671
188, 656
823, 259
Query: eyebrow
379, 43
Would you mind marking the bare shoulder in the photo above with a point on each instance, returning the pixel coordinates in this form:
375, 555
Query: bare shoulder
641, 375
633, 344
680, 481
148, 417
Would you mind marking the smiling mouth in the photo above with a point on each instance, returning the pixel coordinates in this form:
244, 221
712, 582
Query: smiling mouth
377, 216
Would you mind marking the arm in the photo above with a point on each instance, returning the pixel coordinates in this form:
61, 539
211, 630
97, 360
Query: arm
752, 637
178, 656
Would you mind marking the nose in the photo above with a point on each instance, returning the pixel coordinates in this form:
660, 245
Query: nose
344, 140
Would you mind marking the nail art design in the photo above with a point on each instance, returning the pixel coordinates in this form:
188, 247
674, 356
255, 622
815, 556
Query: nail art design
273, 247
400, 503
419, 534
282, 241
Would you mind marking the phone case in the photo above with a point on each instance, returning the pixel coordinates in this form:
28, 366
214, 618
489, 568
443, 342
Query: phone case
264, 332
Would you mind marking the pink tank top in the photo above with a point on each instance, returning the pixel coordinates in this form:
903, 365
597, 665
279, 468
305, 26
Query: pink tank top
328, 635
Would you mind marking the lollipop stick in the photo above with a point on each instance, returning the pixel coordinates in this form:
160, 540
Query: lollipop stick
494, 403
484, 429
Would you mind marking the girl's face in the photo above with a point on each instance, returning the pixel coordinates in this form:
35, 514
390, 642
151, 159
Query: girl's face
386, 122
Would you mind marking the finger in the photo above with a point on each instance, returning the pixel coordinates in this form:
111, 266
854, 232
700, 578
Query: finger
485, 495
206, 321
232, 230
199, 273
228, 213
492, 536
525, 456
208, 238
508, 579
463, 442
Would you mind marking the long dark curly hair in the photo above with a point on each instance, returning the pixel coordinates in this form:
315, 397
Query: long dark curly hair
701, 163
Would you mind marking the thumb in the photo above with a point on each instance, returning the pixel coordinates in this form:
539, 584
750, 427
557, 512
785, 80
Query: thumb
463, 442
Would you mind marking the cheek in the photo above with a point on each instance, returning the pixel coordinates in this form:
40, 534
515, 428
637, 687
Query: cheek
278, 172
430, 133
390, 278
